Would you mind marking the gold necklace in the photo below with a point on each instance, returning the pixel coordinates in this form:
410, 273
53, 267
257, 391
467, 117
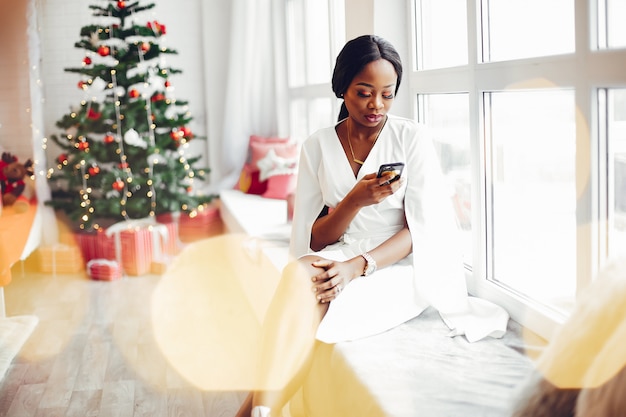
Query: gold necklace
358, 161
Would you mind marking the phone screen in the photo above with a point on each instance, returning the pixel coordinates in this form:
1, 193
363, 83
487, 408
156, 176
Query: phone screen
394, 166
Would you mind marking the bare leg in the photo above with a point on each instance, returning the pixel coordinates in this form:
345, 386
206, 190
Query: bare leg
288, 339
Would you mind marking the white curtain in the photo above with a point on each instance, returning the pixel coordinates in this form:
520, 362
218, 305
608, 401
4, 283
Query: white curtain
254, 100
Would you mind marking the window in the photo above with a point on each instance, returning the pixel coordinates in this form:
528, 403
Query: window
615, 111
314, 36
447, 116
536, 151
442, 38
531, 202
514, 29
611, 30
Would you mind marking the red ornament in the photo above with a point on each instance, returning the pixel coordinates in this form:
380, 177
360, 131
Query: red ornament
158, 28
104, 50
93, 115
133, 93
123, 165
83, 145
62, 158
176, 135
186, 132
168, 83
87, 61
145, 47
118, 185
81, 85
109, 139
121, 4
94, 170
157, 97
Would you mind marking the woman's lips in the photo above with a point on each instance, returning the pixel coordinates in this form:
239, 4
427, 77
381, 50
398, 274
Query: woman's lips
374, 118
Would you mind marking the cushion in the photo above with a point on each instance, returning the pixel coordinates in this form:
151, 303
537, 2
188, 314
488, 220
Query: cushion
270, 167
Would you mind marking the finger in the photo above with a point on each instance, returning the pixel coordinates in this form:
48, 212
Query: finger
322, 263
369, 176
387, 176
329, 295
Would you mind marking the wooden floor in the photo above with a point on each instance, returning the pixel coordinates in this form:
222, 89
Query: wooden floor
93, 353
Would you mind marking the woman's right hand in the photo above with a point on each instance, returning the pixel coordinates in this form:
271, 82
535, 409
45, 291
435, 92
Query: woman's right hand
372, 190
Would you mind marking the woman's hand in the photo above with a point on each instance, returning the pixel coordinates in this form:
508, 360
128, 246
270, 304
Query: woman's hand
335, 277
372, 190
369, 190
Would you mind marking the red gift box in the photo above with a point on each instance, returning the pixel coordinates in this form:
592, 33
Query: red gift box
104, 270
202, 223
133, 249
170, 241
95, 245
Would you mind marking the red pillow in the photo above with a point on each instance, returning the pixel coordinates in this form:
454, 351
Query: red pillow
258, 149
280, 186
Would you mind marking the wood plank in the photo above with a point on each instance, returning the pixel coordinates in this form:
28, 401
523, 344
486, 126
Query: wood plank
222, 403
26, 401
84, 404
184, 403
9, 386
118, 399
149, 403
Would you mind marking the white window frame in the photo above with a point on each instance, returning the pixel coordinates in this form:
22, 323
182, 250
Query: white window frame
586, 71
310, 92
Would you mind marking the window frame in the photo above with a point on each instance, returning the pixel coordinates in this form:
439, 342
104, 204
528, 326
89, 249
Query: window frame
586, 71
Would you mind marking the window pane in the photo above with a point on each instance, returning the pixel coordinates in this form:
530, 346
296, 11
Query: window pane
295, 43
308, 42
617, 171
441, 33
317, 42
447, 117
514, 29
616, 30
320, 114
533, 193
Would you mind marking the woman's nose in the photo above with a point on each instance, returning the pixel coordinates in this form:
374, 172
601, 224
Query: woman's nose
376, 102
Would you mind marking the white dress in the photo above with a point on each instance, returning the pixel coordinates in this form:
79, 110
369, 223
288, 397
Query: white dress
431, 275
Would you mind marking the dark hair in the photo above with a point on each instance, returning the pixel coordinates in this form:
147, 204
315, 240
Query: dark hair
354, 56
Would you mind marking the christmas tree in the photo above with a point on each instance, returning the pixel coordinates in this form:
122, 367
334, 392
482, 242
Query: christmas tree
123, 148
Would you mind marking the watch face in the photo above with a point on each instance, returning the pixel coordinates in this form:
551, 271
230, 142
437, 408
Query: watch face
370, 269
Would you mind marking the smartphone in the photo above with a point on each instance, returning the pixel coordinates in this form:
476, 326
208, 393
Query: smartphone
394, 166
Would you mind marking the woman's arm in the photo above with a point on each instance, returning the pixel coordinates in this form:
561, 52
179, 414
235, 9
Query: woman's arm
369, 190
337, 275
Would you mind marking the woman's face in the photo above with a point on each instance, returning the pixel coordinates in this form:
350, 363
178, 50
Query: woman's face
371, 93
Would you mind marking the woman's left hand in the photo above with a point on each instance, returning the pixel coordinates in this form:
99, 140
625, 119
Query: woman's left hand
328, 285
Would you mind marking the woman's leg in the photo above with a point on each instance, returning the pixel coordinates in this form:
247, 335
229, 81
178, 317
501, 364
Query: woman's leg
288, 337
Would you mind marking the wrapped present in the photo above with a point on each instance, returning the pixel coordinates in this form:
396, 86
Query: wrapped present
170, 244
104, 270
159, 266
200, 224
96, 245
60, 259
138, 243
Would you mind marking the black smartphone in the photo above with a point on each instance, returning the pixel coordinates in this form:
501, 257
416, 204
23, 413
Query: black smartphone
394, 166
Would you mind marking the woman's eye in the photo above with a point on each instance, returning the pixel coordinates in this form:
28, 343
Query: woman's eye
388, 96
365, 95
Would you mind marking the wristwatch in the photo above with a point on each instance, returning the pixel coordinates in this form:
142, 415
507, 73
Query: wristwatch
370, 264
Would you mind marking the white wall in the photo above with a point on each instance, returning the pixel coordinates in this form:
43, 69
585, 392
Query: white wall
15, 119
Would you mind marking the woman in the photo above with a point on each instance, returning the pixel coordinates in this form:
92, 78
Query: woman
372, 253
